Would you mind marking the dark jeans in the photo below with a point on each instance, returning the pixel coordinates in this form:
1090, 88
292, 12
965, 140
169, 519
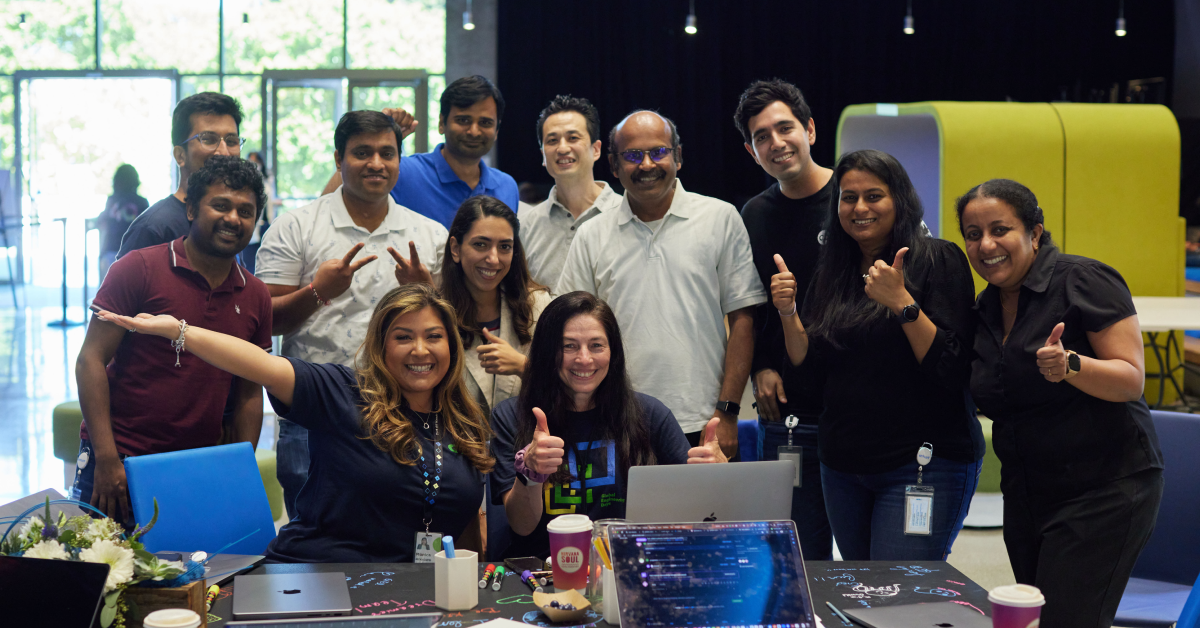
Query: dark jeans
291, 462
1081, 551
808, 501
867, 510
85, 479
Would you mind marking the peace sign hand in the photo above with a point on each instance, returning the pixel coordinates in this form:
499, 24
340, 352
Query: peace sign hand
410, 270
334, 276
885, 284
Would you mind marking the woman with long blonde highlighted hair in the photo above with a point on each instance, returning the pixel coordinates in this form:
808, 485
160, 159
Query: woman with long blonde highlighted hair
398, 446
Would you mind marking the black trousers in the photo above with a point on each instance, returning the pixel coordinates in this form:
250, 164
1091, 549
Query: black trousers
1080, 551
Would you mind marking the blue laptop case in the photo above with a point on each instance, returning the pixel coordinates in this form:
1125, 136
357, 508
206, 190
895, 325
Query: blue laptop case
207, 499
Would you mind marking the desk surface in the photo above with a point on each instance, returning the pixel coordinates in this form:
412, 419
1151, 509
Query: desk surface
377, 589
1157, 314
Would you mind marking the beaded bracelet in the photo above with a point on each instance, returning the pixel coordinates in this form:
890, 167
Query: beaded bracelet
320, 301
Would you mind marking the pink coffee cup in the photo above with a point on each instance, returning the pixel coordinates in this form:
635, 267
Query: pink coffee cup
1016, 606
570, 536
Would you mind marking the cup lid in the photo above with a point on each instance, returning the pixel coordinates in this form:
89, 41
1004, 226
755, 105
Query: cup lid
569, 524
172, 618
1021, 595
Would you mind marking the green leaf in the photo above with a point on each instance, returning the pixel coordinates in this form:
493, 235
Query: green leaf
109, 612
145, 557
67, 538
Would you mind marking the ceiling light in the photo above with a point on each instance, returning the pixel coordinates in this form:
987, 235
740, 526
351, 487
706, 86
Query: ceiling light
1121, 19
690, 24
468, 19
21, 23
908, 21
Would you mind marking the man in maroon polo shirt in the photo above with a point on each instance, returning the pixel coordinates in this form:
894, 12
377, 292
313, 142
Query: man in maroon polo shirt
138, 395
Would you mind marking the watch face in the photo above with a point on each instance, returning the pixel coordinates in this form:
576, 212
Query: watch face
911, 313
1073, 362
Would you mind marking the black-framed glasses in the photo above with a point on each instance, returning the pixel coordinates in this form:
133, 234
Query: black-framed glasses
209, 139
636, 156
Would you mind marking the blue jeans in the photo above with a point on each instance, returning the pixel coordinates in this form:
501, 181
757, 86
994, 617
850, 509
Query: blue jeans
85, 479
808, 501
867, 511
291, 462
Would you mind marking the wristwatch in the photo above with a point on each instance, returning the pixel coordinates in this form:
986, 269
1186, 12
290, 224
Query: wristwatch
1073, 364
729, 407
909, 314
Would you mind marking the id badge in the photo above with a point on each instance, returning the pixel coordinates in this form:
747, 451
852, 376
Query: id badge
428, 544
796, 455
918, 509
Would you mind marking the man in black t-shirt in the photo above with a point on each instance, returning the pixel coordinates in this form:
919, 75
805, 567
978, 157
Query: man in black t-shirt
787, 219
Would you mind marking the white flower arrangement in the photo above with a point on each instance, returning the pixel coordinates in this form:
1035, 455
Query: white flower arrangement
85, 539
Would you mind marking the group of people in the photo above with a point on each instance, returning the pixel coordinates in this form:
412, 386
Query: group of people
596, 331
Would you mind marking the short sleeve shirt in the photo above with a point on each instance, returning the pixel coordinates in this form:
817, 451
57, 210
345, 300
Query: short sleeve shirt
359, 505
299, 241
670, 289
154, 406
166, 220
548, 228
1053, 438
429, 186
599, 489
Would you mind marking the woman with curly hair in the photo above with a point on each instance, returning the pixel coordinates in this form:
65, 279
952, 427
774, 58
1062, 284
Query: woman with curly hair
401, 413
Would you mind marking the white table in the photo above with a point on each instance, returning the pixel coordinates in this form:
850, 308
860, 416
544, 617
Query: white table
1166, 314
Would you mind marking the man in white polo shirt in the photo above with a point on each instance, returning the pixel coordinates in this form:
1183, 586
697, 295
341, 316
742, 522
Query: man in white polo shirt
672, 265
322, 297
569, 133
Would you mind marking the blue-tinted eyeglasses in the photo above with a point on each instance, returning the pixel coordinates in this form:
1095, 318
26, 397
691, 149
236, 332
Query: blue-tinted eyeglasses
636, 156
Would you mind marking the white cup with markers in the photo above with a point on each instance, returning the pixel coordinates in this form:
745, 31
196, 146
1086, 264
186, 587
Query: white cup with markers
455, 576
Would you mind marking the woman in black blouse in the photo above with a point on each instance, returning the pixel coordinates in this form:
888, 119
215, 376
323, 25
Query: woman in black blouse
1059, 368
888, 314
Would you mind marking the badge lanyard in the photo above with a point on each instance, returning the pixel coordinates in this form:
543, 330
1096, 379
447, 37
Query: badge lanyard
428, 543
918, 498
790, 452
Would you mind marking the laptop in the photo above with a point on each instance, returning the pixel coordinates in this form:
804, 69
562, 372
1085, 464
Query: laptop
693, 575
290, 595
39, 592
421, 620
944, 614
741, 491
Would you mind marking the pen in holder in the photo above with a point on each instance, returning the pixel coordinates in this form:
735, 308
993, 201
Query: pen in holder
456, 580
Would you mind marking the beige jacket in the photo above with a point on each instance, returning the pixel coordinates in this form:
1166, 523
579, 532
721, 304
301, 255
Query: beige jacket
489, 390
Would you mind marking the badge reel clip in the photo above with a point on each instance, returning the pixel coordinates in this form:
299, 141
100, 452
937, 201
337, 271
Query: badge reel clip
918, 498
791, 452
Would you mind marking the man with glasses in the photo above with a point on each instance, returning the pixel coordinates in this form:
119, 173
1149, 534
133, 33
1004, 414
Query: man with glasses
203, 125
672, 265
568, 132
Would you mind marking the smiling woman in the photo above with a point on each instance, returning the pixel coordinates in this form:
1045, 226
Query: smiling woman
380, 429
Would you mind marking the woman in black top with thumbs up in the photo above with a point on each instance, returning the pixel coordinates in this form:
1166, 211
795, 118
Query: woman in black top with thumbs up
566, 444
1059, 367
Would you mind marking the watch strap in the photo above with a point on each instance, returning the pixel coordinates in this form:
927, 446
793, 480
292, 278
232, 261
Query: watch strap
729, 407
1072, 370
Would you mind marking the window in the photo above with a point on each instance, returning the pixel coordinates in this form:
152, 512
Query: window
41, 35
397, 34
156, 35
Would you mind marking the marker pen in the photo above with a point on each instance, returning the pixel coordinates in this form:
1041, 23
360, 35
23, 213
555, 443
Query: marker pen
448, 546
499, 581
213, 591
527, 578
487, 573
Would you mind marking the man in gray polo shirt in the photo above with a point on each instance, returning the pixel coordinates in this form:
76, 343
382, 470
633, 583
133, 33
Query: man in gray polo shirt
569, 133
672, 264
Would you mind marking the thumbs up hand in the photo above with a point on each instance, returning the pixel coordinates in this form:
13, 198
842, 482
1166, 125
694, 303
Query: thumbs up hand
1052, 358
783, 288
710, 446
498, 357
545, 454
885, 284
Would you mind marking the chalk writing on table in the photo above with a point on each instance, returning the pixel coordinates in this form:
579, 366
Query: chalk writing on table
377, 578
971, 605
914, 570
386, 607
884, 591
516, 599
936, 591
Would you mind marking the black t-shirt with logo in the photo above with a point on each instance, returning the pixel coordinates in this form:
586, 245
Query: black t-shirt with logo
598, 490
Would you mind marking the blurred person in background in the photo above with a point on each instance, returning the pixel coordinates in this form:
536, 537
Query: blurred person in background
122, 207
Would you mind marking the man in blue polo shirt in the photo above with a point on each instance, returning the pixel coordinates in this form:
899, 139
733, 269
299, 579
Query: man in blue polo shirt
434, 184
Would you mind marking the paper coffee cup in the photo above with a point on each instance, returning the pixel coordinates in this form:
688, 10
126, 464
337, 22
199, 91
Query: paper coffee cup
172, 618
1016, 606
570, 541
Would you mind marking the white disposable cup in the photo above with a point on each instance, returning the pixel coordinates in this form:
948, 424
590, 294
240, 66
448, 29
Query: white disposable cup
172, 618
1016, 606
456, 580
612, 612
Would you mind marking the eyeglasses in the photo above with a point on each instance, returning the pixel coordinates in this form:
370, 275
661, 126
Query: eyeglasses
636, 156
210, 139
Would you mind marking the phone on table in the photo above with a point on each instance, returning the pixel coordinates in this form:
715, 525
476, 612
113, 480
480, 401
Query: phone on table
531, 563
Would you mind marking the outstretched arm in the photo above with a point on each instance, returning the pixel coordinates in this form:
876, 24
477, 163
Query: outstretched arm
233, 355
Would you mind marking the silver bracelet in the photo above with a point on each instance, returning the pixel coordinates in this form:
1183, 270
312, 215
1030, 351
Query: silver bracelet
792, 313
178, 342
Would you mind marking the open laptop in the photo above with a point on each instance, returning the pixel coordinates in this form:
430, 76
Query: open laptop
741, 491
421, 620
37, 592
290, 595
693, 575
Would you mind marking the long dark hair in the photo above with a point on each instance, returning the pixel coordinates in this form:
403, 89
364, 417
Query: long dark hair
618, 408
516, 285
837, 302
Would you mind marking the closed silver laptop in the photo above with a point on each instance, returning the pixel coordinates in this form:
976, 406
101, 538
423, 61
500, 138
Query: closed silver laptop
738, 491
290, 595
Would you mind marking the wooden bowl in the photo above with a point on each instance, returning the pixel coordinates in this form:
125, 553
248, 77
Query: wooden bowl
570, 596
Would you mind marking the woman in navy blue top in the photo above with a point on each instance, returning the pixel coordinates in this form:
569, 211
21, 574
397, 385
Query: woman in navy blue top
398, 446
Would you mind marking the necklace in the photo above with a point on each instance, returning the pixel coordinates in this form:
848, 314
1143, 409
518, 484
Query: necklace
424, 416
1012, 311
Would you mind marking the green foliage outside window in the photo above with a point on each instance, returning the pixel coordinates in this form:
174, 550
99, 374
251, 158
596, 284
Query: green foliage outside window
158, 35
56, 35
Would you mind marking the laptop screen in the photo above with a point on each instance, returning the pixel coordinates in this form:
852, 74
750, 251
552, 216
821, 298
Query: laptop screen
694, 575
41, 592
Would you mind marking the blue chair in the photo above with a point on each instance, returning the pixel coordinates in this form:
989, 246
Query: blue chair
1190, 617
748, 440
1164, 575
207, 498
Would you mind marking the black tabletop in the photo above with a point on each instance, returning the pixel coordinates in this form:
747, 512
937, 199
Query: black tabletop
377, 589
